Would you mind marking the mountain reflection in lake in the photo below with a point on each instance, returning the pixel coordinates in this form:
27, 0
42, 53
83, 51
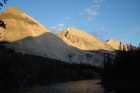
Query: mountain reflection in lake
85, 86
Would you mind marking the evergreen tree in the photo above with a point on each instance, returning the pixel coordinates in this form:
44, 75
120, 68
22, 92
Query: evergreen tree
125, 67
3, 2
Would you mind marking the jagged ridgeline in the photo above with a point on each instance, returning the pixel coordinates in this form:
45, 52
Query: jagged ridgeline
83, 40
27, 35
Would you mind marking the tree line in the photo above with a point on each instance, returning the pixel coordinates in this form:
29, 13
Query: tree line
124, 68
15, 67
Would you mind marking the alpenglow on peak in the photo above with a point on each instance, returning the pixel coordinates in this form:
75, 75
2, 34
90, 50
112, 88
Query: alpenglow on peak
14, 10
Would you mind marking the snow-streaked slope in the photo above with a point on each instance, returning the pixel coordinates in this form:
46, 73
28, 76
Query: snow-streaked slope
83, 40
29, 36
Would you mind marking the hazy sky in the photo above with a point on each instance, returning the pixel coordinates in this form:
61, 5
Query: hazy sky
118, 19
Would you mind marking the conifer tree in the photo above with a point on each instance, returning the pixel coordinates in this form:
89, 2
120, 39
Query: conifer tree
3, 2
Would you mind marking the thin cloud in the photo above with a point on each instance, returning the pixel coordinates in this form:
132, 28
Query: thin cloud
71, 25
108, 5
57, 28
90, 19
60, 25
129, 34
102, 29
96, 1
53, 27
67, 17
96, 34
99, 34
123, 37
80, 13
92, 10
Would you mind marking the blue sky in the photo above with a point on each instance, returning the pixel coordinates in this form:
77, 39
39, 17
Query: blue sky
118, 19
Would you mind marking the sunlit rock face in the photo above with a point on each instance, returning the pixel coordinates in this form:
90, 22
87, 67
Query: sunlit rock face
117, 45
83, 40
19, 25
29, 36
26, 35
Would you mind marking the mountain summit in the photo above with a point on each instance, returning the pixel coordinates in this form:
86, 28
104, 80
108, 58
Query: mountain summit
83, 40
19, 25
16, 10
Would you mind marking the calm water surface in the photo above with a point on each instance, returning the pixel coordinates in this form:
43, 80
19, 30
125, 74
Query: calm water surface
85, 86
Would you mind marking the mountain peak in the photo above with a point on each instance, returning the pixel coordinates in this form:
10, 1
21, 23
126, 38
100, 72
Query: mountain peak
76, 32
14, 10
111, 39
69, 29
82, 40
19, 25
115, 43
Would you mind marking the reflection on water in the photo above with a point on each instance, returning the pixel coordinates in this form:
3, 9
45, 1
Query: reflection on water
85, 86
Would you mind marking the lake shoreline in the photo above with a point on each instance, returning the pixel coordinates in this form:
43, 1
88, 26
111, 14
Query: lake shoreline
17, 85
62, 81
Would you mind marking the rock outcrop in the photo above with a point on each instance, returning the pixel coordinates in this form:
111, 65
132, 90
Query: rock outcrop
117, 45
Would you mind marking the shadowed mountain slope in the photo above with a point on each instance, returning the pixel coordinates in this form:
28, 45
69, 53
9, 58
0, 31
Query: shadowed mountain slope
49, 45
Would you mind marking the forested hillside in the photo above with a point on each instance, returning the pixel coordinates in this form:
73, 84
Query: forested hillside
124, 68
18, 68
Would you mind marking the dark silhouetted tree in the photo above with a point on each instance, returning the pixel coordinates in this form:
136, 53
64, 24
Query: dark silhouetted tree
125, 67
1, 3
2, 24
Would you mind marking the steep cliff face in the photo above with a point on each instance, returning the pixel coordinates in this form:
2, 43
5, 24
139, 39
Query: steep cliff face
83, 40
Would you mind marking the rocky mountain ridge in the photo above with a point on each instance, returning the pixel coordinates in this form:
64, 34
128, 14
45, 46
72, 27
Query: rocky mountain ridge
117, 45
83, 40
26, 35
